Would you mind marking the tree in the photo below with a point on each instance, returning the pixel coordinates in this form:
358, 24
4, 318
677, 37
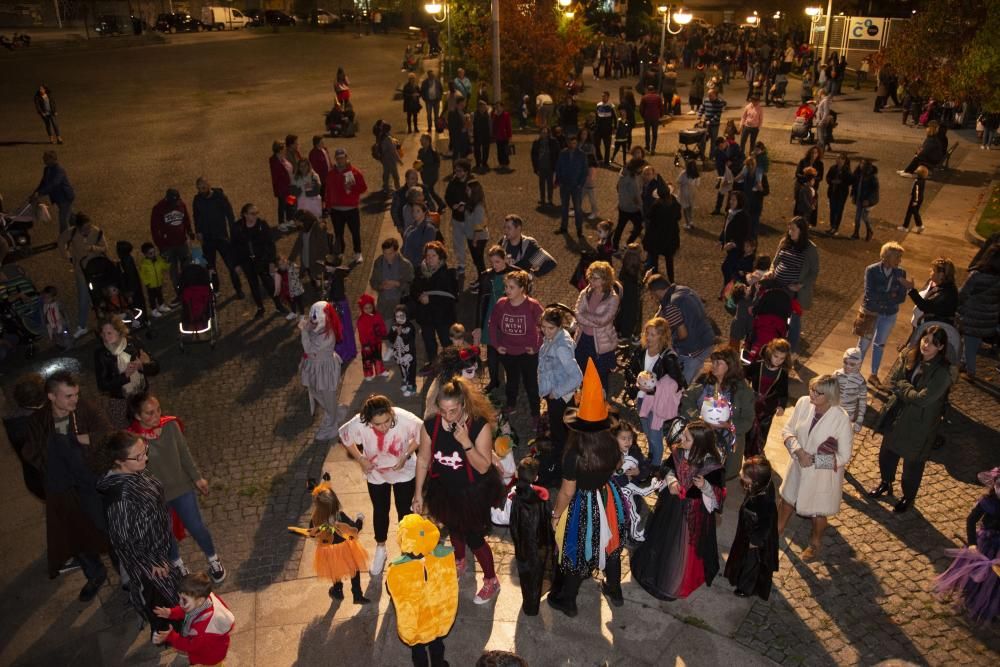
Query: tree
539, 47
952, 47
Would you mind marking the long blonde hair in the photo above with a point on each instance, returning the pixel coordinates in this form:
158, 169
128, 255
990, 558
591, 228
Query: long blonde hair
475, 403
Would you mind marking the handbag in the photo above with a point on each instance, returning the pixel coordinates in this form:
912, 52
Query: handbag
864, 323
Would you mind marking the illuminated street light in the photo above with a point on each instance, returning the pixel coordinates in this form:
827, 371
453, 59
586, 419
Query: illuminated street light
681, 18
434, 9
814, 12
565, 3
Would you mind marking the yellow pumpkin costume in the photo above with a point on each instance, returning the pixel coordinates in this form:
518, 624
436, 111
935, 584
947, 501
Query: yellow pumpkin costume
422, 583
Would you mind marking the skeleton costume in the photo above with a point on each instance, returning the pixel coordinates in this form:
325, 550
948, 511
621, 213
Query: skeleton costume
403, 339
320, 366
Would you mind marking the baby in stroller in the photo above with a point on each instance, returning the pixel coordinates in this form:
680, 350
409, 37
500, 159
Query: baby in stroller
340, 120
108, 293
802, 127
776, 95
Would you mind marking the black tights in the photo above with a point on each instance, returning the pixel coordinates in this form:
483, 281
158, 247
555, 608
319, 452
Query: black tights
625, 217
913, 471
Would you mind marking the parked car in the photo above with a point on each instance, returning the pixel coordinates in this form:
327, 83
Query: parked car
223, 18
323, 18
256, 17
276, 17
178, 22
111, 24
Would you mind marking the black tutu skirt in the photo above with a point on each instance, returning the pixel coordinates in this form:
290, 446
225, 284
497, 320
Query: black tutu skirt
465, 508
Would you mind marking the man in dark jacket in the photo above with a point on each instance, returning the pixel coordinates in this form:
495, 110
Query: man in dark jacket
544, 153
170, 226
56, 186
254, 252
431, 93
61, 438
213, 218
481, 136
571, 174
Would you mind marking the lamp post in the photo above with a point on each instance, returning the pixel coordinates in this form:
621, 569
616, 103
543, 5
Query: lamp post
815, 14
681, 18
435, 9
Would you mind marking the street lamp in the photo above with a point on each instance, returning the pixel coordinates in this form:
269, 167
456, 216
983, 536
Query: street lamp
435, 9
754, 20
815, 14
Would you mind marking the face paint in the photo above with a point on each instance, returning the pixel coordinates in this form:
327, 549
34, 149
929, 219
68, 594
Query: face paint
400, 318
317, 315
469, 373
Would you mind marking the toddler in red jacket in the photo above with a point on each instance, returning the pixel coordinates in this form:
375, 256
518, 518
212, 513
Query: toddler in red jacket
207, 622
371, 332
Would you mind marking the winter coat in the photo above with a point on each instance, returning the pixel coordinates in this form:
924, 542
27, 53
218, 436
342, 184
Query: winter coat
55, 185
838, 183
338, 195
371, 327
742, 409
938, 305
558, 373
663, 230
549, 166
213, 215
601, 319
571, 169
442, 290
430, 165
151, 272
416, 237
815, 492
112, 381
979, 304
865, 188
319, 247
254, 245
321, 163
281, 175
666, 364
920, 405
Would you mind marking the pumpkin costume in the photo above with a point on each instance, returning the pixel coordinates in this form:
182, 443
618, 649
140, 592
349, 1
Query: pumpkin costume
424, 589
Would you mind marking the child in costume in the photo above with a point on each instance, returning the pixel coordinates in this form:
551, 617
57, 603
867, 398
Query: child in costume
768, 376
371, 331
975, 573
853, 387
456, 334
320, 365
207, 622
339, 554
288, 287
403, 339
55, 319
424, 590
504, 441
753, 558
335, 273
531, 533
633, 476
681, 552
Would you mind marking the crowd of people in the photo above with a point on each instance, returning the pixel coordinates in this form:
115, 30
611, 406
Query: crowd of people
119, 477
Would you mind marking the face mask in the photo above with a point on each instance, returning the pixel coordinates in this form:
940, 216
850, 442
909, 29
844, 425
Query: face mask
469, 373
317, 315
400, 318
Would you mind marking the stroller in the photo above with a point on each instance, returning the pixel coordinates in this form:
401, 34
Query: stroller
198, 323
107, 292
688, 138
802, 129
777, 94
15, 230
20, 308
340, 120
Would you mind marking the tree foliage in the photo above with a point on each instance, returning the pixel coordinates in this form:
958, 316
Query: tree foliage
952, 46
539, 47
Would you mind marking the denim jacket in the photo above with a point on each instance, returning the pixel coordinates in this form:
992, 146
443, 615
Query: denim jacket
558, 372
883, 294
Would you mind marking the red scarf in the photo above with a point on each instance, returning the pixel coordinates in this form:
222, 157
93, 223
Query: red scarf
152, 433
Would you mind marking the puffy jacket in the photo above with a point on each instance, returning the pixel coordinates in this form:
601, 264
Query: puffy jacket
254, 243
151, 271
338, 195
979, 304
207, 642
601, 319
666, 364
558, 372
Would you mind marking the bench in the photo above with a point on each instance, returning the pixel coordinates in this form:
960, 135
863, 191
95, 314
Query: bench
945, 163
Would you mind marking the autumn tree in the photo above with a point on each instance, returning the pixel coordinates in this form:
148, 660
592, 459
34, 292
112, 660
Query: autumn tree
539, 47
953, 47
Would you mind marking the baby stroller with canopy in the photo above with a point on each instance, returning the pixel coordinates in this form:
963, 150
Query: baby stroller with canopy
199, 323
690, 145
802, 126
777, 92
107, 292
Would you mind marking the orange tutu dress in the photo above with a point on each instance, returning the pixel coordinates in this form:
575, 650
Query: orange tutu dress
339, 554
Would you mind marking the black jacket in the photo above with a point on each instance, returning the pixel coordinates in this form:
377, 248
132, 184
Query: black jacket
940, 304
838, 182
109, 379
550, 166
213, 215
442, 288
663, 230
667, 364
736, 230
254, 245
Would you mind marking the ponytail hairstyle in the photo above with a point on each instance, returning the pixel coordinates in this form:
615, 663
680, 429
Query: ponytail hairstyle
475, 403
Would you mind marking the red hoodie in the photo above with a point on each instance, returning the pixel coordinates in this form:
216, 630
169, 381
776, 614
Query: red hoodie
206, 634
371, 327
170, 224
337, 193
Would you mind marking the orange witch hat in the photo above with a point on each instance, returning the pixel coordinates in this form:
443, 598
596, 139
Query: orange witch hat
592, 413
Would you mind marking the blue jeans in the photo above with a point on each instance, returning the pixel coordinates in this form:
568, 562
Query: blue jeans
693, 365
972, 345
883, 327
585, 349
565, 193
794, 331
988, 133
186, 506
82, 301
655, 439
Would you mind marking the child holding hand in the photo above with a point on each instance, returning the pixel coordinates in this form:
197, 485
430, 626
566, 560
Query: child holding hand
207, 622
371, 332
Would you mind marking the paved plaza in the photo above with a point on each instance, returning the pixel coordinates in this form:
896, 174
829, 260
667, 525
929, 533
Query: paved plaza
140, 120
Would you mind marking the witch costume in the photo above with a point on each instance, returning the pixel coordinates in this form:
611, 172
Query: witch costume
753, 558
680, 552
975, 573
320, 365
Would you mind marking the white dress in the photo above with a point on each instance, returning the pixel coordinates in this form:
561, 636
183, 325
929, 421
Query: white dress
816, 492
319, 371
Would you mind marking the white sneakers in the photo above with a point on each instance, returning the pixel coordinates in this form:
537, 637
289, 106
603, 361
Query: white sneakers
378, 561
901, 228
386, 373
358, 258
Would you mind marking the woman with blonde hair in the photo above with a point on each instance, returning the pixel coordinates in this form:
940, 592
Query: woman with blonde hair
596, 308
820, 440
456, 476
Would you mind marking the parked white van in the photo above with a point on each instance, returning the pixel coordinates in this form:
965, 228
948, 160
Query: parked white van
223, 18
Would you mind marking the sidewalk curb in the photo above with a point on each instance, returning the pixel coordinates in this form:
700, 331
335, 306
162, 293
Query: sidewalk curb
970, 231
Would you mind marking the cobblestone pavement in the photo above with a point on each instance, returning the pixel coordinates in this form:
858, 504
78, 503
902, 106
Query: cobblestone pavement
247, 417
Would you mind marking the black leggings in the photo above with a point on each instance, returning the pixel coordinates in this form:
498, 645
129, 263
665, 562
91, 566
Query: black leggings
913, 212
625, 217
477, 249
913, 471
379, 494
567, 584
430, 654
351, 219
521, 368
432, 332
